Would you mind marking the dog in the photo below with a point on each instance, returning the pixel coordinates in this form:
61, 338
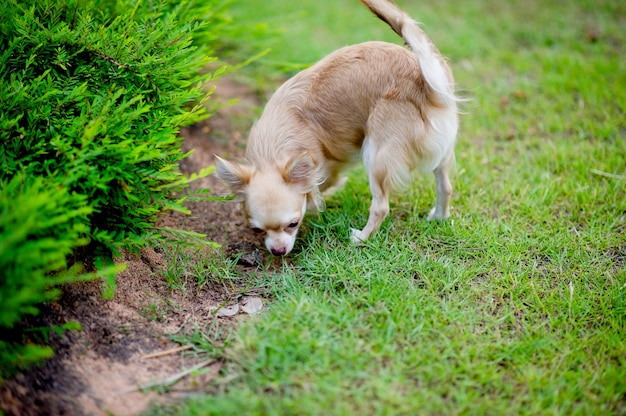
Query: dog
392, 106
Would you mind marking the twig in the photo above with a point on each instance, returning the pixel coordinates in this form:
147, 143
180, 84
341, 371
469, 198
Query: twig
107, 58
165, 382
608, 175
167, 352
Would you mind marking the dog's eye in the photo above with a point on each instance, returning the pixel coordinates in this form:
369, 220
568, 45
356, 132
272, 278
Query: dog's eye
257, 230
293, 225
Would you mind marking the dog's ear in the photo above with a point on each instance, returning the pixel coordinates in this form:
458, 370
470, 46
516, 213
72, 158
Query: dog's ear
236, 176
300, 171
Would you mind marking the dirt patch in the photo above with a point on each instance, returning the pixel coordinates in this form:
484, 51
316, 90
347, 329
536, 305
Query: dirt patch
98, 370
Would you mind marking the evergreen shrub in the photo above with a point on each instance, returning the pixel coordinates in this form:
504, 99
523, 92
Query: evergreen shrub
92, 96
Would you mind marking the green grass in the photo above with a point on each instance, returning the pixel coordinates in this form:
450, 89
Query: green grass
517, 304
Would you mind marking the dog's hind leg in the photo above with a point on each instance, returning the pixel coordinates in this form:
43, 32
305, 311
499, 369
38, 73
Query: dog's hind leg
441, 211
379, 187
379, 209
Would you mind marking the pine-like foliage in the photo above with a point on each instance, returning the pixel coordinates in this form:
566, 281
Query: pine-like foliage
92, 96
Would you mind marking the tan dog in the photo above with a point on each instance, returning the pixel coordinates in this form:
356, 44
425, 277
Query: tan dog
393, 107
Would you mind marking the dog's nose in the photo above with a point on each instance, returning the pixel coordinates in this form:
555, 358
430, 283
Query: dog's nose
280, 251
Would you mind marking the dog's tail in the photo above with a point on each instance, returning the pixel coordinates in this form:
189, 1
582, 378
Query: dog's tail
431, 62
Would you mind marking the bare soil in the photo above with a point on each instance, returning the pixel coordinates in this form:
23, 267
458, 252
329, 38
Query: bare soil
99, 370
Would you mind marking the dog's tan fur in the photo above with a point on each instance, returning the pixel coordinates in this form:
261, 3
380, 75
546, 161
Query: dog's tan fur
394, 107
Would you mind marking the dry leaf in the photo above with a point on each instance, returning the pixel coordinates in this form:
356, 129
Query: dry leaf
252, 305
228, 310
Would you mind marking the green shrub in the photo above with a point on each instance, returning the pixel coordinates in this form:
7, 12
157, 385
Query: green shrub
39, 227
94, 103
92, 96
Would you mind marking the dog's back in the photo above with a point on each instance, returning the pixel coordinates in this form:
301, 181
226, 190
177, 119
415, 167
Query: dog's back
333, 100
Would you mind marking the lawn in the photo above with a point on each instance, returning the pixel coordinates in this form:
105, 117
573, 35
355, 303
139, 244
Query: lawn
517, 304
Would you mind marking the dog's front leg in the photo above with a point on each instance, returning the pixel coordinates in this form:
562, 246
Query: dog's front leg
379, 209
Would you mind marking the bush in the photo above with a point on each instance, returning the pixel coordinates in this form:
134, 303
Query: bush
92, 95
94, 103
39, 227
35, 241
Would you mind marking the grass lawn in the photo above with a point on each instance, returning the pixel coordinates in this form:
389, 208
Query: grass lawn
517, 304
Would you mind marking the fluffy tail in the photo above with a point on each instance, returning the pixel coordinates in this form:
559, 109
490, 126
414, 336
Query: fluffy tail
431, 62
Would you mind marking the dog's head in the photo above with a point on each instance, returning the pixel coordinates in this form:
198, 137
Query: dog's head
275, 197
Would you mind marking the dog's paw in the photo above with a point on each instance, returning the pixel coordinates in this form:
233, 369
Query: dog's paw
355, 236
434, 215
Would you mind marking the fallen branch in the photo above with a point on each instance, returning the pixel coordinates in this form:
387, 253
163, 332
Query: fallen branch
165, 382
166, 352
